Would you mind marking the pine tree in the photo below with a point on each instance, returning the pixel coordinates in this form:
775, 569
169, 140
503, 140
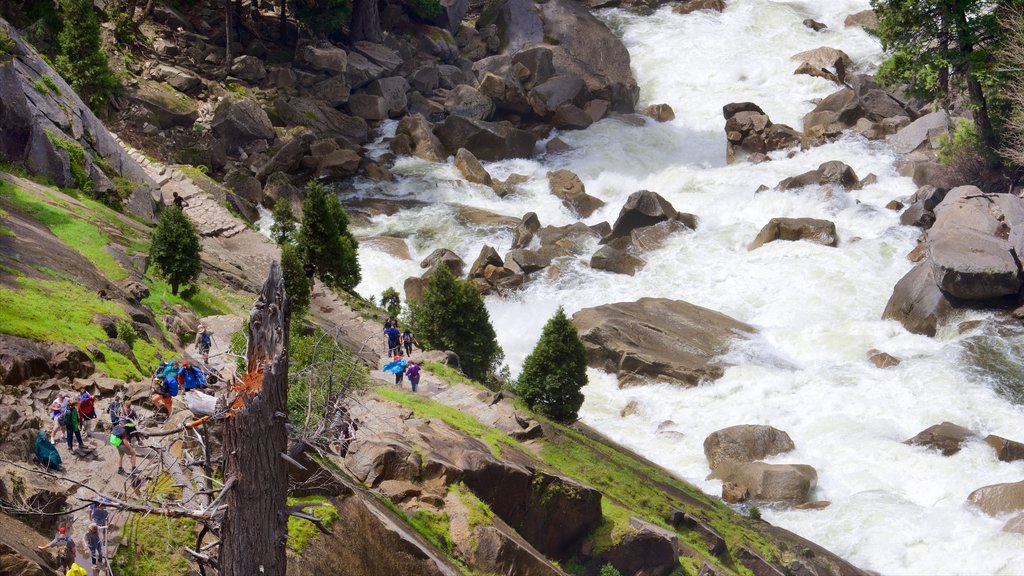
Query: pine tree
325, 240
556, 371
390, 301
81, 59
295, 283
452, 316
174, 249
283, 227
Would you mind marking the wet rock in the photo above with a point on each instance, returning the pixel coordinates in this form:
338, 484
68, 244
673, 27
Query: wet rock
919, 133
660, 112
486, 140
790, 483
470, 167
642, 209
814, 24
882, 360
947, 438
690, 6
828, 173
825, 62
423, 144
616, 260
917, 302
455, 263
998, 499
756, 564
525, 230
571, 117
338, 164
734, 445
568, 187
1006, 450
793, 229
657, 338
488, 257
866, 19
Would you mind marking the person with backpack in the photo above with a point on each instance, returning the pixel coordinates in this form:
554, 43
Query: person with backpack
413, 372
120, 438
45, 453
203, 343
407, 339
94, 542
86, 410
190, 377
391, 338
70, 420
57, 408
62, 539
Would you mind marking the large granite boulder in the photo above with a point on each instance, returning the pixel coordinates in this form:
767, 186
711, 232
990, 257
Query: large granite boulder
21, 360
321, 119
645, 549
239, 121
829, 173
581, 47
414, 136
326, 58
793, 229
843, 109
165, 107
824, 62
468, 102
734, 445
917, 302
641, 210
787, 483
657, 339
919, 133
749, 130
998, 499
947, 438
487, 141
43, 131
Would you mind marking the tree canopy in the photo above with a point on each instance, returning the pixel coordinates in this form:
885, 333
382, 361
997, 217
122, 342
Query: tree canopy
174, 249
452, 316
556, 371
325, 239
295, 283
81, 59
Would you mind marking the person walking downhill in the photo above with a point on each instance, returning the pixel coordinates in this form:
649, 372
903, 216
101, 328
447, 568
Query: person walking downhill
62, 539
120, 438
413, 372
71, 424
94, 541
57, 408
203, 343
86, 411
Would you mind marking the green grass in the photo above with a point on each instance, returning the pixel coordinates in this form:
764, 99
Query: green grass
79, 234
434, 526
427, 408
302, 532
202, 302
4, 231
450, 374
615, 525
152, 545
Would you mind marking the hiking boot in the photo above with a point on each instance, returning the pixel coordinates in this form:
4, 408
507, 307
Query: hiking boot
120, 471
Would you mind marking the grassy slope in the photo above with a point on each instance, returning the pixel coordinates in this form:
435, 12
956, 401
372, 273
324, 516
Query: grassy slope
632, 486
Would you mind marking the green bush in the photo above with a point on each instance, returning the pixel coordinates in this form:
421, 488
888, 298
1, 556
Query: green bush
124, 28
324, 16
76, 159
174, 249
283, 227
80, 58
7, 46
126, 332
556, 371
609, 570
965, 141
391, 302
426, 9
452, 316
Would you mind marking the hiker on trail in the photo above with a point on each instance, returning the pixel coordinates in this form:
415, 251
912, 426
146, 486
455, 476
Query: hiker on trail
76, 570
62, 539
391, 338
179, 201
95, 543
86, 410
413, 372
310, 270
57, 408
203, 343
71, 422
407, 339
120, 438
127, 417
99, 515
346, 434
396, 367
165, 388
191, 377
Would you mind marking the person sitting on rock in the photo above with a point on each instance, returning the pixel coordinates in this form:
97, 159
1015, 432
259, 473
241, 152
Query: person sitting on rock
179, 201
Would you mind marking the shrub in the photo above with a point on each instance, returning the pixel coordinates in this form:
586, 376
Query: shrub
390, 302
126, 332
7, 46
324, 16
964, 141
609, 570
452, 316
425, 9
556, 371
80, 58
174, 249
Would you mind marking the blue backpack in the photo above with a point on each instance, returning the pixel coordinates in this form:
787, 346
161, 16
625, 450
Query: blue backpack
171, 384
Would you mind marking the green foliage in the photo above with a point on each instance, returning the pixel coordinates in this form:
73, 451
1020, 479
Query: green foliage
609, 570
326, 240
295, 283
324, 16
50, 84
201, 302
126, 332
76, 159
302, 532
124, 28
452, 316
965, 141
283, 227
174, 249
556, 371
53, 310
152, 544
237, 347
77, 232
434, 526
319, 370
81, 59
40, 87
754, 513
7, 46
425, 9
391, 302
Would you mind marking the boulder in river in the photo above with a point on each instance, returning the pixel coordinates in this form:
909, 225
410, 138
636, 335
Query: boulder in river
568, 187
998, 499
947, 438
487, 141
812, 229
658, 339
734, 445
788, 483
917, 302
828, 173
1006, 450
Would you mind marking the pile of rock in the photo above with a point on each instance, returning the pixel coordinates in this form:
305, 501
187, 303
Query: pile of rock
734, 454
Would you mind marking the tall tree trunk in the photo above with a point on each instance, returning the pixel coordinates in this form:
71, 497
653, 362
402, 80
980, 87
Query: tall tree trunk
255, 528
365, 21
982, 122
227, 38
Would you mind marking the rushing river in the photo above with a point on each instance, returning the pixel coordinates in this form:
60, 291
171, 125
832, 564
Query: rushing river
894, 509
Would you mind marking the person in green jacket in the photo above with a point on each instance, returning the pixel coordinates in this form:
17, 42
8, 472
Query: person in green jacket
72, 421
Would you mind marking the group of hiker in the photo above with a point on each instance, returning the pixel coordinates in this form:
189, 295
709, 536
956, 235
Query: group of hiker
99, 518
396, 343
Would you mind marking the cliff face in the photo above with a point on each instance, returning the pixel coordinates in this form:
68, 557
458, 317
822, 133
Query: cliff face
47, 128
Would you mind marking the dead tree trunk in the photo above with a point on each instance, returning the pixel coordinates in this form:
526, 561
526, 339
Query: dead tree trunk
365, 21
255, 527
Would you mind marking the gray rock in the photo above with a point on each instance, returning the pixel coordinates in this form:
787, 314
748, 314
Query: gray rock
998, 499
487, 141
325, 58
657, 338
333, 91
468, 102
249, 68
288, 155
323, 120
238, 121
368, 106
425, 79
642, 209
381, 55
793, 229
179, 78
616, 260
470, 167
788, 483
360, 71
166, 107
744, 443
422, 142
568, 187
393, 89
454, 262
917, 302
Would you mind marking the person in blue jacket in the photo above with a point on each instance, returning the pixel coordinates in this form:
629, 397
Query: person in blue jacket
190, 377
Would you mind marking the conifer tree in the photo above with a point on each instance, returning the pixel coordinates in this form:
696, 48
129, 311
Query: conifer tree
81, 59
325, 239
174, 249
295, 283
390, 301
452, 316
556, 371
283, 227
